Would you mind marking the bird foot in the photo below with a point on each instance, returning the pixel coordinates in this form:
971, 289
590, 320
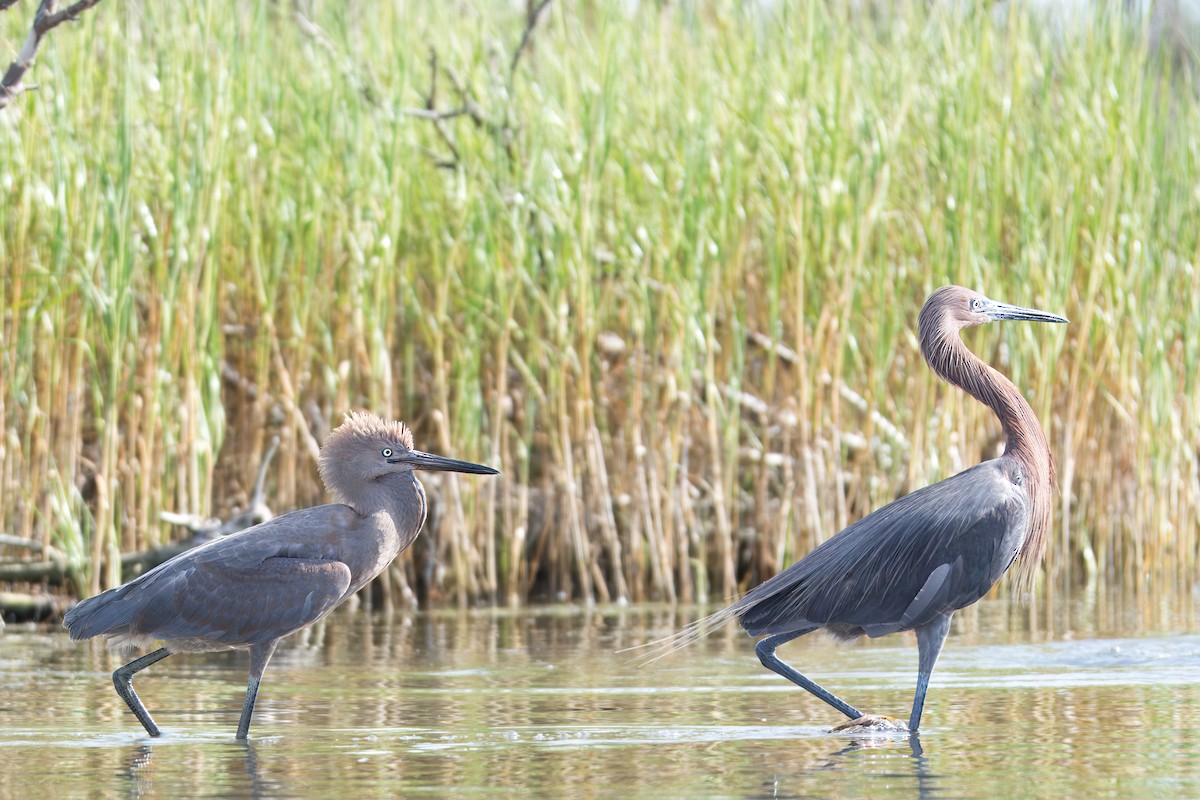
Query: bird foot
871, 723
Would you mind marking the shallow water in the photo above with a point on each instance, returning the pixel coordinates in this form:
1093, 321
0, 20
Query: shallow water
1102, 701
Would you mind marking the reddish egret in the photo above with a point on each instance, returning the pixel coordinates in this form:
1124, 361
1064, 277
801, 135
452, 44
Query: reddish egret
911, 564
250, 589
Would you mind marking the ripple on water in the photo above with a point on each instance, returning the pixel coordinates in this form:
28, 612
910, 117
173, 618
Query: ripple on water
611, 736
466, 706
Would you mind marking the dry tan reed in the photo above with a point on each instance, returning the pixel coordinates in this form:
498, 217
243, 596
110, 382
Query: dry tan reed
676, 308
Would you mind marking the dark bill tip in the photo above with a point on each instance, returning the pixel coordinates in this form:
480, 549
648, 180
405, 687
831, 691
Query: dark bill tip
429, 461
1002, 311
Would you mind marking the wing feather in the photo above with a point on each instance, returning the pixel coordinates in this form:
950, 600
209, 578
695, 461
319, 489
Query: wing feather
936, 550
219, 604
253, 585
962, 533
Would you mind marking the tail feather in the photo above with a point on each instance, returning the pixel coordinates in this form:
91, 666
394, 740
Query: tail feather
688, 635
103, 614
770, 607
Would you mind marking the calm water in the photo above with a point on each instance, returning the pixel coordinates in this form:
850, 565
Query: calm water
1102, 700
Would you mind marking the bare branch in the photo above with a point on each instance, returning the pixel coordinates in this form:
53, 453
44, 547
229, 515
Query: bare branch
498, 124
52, 572
533, 15
434, 115
439, 123
8, 540
470, 105
48, 18
24, 607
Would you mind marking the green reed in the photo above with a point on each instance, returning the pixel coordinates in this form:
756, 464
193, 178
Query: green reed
673, 298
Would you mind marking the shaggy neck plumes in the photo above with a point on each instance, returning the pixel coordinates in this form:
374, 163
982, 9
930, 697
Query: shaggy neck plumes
1025, 441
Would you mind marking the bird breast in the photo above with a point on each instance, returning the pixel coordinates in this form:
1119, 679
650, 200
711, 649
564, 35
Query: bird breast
373, 549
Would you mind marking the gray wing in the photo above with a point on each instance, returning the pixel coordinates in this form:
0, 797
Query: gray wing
255, 585
926, 554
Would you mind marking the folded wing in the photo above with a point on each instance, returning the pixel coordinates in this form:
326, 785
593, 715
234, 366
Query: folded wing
930, 552
253, 586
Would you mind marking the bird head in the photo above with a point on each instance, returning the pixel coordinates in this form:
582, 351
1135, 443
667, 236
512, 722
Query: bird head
365, 448
957, 307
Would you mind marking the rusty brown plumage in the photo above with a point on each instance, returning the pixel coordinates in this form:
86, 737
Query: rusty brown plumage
944, 315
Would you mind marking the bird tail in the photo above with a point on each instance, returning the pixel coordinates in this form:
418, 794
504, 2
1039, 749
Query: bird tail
102, 614
691, 633
774, 606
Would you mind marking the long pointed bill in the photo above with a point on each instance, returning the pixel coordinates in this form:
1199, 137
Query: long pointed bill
999, 311
429, 461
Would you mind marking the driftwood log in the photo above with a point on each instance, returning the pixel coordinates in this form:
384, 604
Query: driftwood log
21, 607
204, 529
52, 567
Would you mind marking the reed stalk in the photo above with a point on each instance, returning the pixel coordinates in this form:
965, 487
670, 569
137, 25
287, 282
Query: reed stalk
666, 279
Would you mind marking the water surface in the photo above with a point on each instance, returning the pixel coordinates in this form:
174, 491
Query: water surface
1100, 700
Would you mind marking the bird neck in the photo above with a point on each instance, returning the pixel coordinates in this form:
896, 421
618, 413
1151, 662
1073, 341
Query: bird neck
402, 497
1025, 441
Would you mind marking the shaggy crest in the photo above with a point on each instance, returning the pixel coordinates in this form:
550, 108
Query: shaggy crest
360, 429
363, 424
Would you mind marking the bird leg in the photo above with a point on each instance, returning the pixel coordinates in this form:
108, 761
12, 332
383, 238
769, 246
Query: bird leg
930, 639
766, 654
260, 654
123, 681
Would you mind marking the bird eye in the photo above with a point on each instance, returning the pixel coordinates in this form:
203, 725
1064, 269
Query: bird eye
976, 304
387, 452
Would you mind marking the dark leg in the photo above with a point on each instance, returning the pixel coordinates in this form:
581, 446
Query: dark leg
123, 680
930, 639
260, 654
766, 654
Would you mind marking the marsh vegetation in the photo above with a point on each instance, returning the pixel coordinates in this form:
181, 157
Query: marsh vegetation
664, 274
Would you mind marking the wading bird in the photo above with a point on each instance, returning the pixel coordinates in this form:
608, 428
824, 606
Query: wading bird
911, 564
250, 589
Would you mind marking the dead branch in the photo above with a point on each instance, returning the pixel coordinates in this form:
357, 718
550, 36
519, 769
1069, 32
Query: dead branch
468, 105
134, 564
471, 106
22, 607
8, 540
206, 528
51, 572
781, 351
533, 15
48, 18
53, 567
438, 117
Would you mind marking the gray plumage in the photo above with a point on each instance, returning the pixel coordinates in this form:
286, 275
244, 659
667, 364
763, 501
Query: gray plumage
952, 548
250, 589
911, 564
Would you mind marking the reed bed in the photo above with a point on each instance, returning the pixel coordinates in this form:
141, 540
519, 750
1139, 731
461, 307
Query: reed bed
666, 279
